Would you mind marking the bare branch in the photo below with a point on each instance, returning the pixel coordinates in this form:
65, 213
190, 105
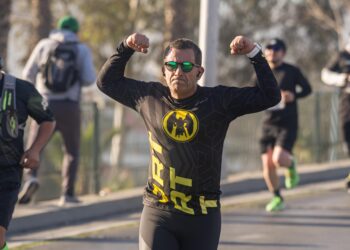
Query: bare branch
338, 20
316, 11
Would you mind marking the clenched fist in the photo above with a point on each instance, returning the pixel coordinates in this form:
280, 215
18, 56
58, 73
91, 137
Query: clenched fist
30, 159
138, 42
241, 45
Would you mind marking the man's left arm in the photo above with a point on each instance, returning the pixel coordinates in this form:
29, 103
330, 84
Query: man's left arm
37, 109
265, 94
31, 67
87, 70
304, 84
31, 157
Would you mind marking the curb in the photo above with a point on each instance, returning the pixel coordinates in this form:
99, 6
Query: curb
48, 215
253, 182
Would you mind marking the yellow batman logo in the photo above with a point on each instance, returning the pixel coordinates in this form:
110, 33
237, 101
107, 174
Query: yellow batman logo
180, 125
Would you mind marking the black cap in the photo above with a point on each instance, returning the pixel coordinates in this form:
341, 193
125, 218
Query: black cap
276, 44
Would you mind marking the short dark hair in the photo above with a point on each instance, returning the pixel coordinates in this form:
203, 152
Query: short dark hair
184, 43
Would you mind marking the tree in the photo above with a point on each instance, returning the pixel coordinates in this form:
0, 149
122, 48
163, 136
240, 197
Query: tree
40, 23
5, 11
331, 15
41, 20
175, 19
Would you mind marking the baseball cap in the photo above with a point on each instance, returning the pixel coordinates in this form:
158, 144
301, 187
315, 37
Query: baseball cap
276, 44
1, 63
68, 23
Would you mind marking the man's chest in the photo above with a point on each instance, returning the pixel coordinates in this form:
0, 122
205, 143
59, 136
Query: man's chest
182, 123
286, 79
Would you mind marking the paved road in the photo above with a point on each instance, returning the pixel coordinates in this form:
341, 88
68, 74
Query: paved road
318, 220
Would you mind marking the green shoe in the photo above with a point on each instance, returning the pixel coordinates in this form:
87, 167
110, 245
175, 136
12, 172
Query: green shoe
291, 177
5, 247
276, 204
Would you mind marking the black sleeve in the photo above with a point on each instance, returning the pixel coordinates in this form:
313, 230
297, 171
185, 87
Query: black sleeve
37, 106
240, 101
333, 64
112, 82
304, 84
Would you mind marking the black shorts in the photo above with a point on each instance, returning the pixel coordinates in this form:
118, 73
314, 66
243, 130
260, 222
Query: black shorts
161, 230
273, 135
8, 199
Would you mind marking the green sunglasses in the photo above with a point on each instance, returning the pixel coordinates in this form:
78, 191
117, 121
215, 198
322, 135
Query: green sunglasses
185, 66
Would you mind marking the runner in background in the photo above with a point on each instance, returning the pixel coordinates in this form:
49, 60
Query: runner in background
280, 124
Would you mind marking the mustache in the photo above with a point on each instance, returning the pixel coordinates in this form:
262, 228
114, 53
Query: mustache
178, 78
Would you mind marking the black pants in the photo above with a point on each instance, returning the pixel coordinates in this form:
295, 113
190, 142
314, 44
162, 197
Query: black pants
161, 230
67, 115
346, 135
8, 199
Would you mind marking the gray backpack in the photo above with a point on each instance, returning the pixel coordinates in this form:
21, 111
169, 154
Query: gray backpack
60, 71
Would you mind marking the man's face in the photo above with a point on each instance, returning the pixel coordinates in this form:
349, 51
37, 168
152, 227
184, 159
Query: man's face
182, 84
274, 56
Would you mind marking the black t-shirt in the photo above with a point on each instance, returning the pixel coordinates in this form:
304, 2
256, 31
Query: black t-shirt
186, 136
288, 78
28, 103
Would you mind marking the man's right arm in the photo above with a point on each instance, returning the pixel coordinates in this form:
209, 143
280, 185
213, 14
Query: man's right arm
111, 79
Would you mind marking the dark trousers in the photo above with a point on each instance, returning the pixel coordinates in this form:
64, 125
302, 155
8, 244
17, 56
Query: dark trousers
161, 230
67, 115
8, 199
346, 134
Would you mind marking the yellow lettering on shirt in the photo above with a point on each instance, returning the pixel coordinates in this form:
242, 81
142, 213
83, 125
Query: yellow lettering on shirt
182, 206
158, 191
178, 180
206, 203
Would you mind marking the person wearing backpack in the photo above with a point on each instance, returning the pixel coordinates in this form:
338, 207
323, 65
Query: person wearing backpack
60, 66
337, 74
19, 99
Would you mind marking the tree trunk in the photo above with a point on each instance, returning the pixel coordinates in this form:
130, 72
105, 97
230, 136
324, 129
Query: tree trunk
41, 21
5, 11
175, 17
117, 152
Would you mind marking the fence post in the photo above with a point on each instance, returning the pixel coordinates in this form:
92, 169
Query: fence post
96, 149
317, 133
333, 130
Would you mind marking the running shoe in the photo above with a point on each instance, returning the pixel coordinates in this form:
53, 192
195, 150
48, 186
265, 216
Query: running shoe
276, 204
67, 200
29, 188
5, 247
291, 177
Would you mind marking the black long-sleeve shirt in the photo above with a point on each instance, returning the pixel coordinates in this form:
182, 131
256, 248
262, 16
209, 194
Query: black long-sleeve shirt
186, 136
289, 78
